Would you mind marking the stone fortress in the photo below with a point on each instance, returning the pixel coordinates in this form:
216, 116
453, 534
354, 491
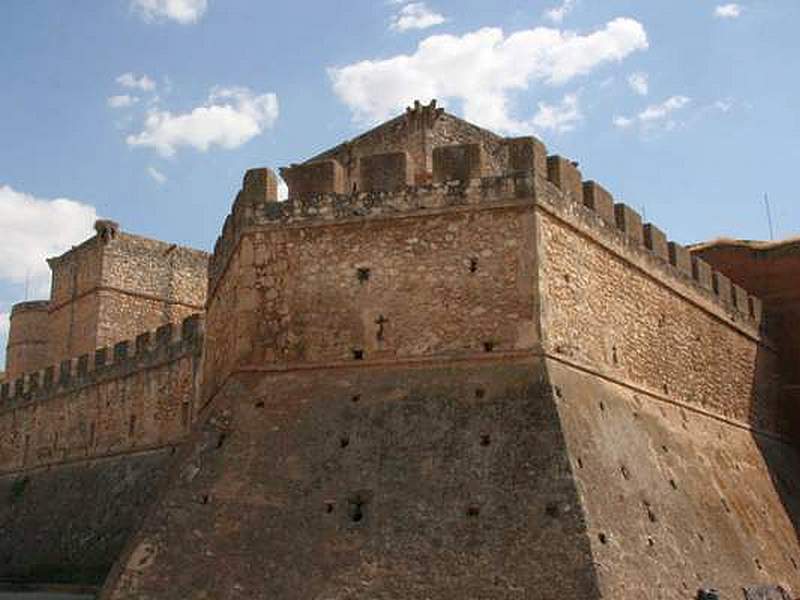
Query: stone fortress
446, 367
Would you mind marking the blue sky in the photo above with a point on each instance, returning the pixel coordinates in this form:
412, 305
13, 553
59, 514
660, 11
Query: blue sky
149, 111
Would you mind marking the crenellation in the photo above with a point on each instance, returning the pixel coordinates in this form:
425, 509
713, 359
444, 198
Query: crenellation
629, 222
463, 162
526, 154
739, 299
655, 240
701, 272
320, 177
564, 174
596, 198
680, 258
722, 287
385, 172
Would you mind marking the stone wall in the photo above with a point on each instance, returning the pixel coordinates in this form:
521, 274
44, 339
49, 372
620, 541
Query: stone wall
677, 500
68, 523
651, 318
428, 482
28, 340
138, 395
771, 270
110, 290
450, 284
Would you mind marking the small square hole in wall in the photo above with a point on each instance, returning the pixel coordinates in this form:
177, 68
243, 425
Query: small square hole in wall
362, 273
358, 354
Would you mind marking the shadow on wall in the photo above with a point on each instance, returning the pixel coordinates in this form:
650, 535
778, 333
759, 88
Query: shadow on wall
771, 410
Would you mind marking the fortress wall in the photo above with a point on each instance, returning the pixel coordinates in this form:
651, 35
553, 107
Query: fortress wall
612, 305
401, 482
448, 284
68, 523
139, 397
676, 500
28, 339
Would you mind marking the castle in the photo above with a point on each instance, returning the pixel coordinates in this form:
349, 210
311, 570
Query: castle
445, 367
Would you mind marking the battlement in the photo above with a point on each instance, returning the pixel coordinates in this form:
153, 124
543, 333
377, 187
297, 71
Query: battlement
463, 178
150, 348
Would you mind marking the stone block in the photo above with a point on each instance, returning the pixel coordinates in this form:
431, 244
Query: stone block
308, 179
526, 154
701, 272
722, 286
739, 298
629, 221
680, 258
755, 309
565, 175
385, 172
655, 240
260, 185
599, 200
458, 163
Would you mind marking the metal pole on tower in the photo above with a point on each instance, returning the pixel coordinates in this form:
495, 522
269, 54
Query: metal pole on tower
769, 217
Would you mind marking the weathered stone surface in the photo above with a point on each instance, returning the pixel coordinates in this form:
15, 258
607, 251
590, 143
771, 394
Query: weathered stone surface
433, 482
67, 524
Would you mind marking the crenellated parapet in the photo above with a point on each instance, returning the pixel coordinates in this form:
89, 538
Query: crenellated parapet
462, 179
620, 220
167, 343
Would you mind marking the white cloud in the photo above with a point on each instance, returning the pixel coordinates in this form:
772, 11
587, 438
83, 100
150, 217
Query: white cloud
638, 82
122, 101
33, 229
655, 115
129, 80
560, 117
416, 15
481, 69
185, 12
723, 105
557, 13
157, 175
230, 117
728, 11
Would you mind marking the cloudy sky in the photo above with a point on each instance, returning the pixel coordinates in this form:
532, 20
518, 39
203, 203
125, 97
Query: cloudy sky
149, 111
